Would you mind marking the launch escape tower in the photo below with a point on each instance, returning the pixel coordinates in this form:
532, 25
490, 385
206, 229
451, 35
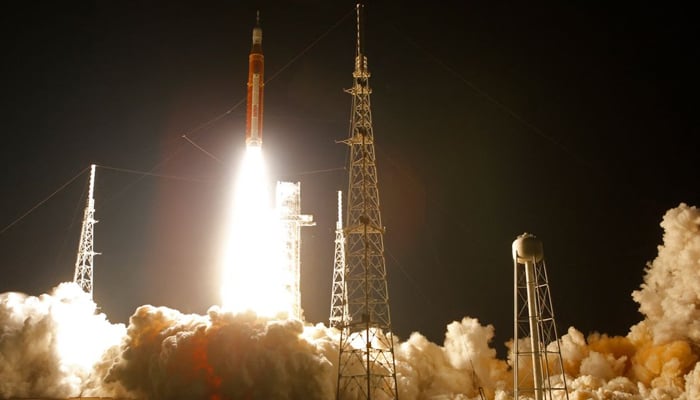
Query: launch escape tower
366, 368
86, 253
538, 369
338, 303
288, 196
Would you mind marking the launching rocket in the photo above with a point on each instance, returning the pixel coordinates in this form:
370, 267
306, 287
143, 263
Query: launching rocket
254, 110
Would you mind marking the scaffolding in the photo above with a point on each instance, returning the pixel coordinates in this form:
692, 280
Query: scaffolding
83, 274
288, 199
338, 301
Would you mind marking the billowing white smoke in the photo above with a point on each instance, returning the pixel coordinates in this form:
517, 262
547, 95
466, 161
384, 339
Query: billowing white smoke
164, 354
454, 371
658, 357
670, 295
51, 344
168, 355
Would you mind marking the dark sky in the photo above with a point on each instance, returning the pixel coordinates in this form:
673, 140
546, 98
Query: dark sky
574, 122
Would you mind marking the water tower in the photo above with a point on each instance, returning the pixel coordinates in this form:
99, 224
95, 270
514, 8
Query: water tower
537, 363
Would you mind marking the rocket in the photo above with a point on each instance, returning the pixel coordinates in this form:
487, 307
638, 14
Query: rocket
254, 109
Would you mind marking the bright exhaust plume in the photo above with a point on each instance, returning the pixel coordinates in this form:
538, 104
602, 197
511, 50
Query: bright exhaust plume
253, 274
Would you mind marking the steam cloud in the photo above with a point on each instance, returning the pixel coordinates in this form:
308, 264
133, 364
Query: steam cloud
164, 354
52, 345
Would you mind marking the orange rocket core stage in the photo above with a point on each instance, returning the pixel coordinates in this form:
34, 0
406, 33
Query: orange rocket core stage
254, 109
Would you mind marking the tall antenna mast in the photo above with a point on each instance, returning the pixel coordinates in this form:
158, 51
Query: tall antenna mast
83, 265
338, 298
366, 368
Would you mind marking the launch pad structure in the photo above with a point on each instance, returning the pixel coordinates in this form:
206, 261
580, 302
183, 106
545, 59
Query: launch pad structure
288, 206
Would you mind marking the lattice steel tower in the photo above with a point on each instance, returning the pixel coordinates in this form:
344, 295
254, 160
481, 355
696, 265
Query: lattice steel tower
538, 369
338, 300
366, 368
83, 265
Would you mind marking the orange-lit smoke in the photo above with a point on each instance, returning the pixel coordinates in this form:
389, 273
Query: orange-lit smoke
219, 356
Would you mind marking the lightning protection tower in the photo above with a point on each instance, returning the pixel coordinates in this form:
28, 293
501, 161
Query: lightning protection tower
288, 196
366, 367
338, 300
83, 265
538, 369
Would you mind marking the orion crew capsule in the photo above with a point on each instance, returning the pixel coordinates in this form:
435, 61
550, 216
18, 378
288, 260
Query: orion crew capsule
254, 110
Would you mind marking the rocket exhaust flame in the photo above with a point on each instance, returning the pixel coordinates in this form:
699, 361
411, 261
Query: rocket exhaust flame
254, 278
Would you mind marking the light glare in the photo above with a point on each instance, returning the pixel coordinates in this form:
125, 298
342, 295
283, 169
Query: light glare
82, 336
254, 277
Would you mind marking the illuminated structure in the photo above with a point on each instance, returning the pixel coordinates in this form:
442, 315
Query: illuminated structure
288, 197
338, 301
538, 368
84, 264
254, 104
366, 367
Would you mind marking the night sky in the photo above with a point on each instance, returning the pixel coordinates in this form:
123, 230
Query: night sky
574, 122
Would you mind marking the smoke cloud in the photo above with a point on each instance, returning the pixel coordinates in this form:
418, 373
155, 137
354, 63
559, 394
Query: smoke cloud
670, 294
168, 355
52, 345
164, 354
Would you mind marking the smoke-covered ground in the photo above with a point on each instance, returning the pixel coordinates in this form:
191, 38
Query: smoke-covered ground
56, 345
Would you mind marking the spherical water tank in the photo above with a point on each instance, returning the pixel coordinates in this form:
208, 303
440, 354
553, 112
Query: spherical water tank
527, 248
